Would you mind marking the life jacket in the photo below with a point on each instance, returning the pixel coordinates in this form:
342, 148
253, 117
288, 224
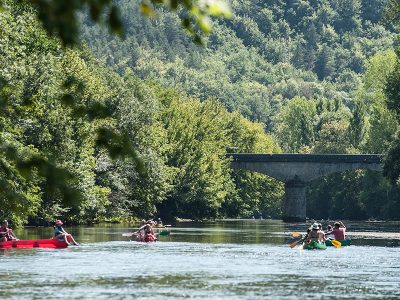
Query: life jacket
150, 238
58, 230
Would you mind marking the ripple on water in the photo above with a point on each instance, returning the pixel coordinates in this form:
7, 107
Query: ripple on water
177, 269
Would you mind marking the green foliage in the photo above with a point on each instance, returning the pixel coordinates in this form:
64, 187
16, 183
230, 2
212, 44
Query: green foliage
256, 194
296, 125
316, 73
196, 138
254, 63
372, 129
59, 18
65, 117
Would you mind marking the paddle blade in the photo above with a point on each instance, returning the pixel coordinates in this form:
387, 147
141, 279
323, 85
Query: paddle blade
336, 243
296, 234
292, 245
129, 234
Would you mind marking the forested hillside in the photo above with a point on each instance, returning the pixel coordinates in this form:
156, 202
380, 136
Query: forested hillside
268, 53
54, 102
314, 72
307, 77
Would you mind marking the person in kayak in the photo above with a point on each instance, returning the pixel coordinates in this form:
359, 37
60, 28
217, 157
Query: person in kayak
321, 233
149, 233
315, 235
145, 233
61, 234
159, 223
339, 231
6, 234
328, 232
141, 232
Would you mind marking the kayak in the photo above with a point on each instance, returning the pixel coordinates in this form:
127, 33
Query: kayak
164, 232
343, 242
21, 244
314, 245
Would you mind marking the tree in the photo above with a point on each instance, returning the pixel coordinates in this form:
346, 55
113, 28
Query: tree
324, 66
372, 9
348, 14
296, 124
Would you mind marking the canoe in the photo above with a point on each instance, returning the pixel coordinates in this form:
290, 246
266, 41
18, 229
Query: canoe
343, 242
24, 244
314, 245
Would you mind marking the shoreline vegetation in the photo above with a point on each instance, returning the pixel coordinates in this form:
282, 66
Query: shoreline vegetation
136, 221
116, 129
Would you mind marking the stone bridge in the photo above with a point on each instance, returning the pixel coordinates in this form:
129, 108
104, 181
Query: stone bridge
295, 170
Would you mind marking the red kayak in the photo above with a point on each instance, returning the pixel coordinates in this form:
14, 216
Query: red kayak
49, 243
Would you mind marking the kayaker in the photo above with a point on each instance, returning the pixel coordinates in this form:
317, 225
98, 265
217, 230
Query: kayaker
140, 233
328, 232
6, 234
315, 234
61, 234
339, 231
321, 233
149, 235
145, 233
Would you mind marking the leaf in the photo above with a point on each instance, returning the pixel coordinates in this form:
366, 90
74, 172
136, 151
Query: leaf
219, 8
205, 24
147, 10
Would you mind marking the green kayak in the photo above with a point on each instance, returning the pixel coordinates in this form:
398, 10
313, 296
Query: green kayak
314, 245
343, 242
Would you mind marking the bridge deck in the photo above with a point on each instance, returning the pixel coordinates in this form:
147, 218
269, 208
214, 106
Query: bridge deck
318, 158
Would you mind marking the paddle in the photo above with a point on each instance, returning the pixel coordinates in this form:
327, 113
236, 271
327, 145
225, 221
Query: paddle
336, 243
296, 234
292, 245
129, 234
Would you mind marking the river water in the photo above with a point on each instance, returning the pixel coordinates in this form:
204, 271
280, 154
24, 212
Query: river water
232, 259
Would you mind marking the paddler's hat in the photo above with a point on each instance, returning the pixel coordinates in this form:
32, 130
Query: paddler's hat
315, 226
337, 224
58, 222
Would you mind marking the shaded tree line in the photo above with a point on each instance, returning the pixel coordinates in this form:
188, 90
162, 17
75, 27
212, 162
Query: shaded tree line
62, 105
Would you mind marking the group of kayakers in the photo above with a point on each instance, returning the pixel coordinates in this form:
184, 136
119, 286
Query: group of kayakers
145, 233
316, 234
6, 234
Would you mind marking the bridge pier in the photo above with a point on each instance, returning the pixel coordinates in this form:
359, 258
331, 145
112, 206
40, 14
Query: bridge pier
295, 201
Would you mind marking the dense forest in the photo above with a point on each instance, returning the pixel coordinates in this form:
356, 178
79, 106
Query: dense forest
306, 77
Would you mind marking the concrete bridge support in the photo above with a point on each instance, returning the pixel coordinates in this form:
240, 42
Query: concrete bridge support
295, 202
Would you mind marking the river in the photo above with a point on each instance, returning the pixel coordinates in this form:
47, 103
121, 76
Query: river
230, 259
